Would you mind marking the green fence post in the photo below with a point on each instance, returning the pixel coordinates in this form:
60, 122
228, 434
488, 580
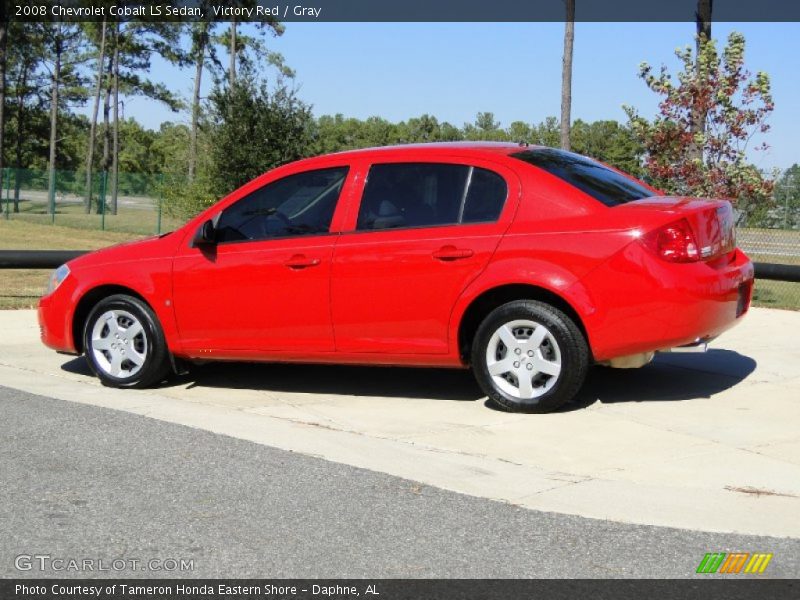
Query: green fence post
7, 180
8, 193
160, 201
103, 201
51, 185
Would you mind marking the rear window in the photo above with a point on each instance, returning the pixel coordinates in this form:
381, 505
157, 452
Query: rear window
598, 181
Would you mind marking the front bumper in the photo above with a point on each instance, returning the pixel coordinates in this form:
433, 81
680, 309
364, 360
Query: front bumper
55, 313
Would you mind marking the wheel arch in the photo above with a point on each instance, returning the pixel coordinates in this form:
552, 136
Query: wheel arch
88, 301
492, 298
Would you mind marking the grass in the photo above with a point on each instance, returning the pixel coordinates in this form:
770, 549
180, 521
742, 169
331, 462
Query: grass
777, 294
135, 215
21, 288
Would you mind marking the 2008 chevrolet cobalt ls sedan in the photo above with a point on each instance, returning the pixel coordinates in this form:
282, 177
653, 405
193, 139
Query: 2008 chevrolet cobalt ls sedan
526, 264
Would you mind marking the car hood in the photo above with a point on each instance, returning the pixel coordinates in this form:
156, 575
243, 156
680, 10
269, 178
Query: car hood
155, 247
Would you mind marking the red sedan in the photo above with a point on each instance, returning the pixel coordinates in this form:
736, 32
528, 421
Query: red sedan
525, 263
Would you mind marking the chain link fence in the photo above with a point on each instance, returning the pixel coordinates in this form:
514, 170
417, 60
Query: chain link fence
770, 234
134, 205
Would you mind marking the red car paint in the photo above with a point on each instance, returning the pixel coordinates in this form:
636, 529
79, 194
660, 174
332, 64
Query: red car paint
399, 296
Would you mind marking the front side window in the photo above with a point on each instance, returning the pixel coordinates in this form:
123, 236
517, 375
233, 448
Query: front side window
300, 204
405, 195
598, 181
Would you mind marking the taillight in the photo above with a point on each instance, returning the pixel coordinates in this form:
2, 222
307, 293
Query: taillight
674, 242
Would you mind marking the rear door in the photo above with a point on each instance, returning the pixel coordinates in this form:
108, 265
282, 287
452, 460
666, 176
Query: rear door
423, 231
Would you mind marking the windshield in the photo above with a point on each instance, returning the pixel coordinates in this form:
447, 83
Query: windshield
601, 183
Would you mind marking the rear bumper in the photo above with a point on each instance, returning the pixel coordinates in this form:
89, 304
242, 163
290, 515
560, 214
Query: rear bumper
644, 304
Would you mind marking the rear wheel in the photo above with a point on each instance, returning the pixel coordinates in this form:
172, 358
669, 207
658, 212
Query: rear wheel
528, 356
124, 344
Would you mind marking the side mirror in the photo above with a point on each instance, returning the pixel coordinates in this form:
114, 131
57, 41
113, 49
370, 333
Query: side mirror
206, 235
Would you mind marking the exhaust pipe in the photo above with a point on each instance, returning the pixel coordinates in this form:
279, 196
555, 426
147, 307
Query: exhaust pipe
697, 346
634, 361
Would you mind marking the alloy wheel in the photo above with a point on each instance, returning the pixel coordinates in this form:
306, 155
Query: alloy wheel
523, 359
119, 344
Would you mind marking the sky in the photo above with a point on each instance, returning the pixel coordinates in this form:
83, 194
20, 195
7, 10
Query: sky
455, 70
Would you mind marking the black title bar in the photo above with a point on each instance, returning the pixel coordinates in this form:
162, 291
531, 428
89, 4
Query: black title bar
734, 588
396, 11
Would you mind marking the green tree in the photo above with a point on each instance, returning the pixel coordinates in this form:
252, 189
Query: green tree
170, 149
26, 99
252, 128
65, 45
609, 142
547, 133
485, 128
3, 64
519, 131
737, 105
427, 128
96, 36
130, 48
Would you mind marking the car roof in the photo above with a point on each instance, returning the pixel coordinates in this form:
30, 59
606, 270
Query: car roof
433, 149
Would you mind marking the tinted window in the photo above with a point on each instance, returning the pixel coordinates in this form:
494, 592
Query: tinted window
600, 182
485, 198
300, 204
429, 194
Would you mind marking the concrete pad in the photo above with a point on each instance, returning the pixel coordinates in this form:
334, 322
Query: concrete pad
707, 442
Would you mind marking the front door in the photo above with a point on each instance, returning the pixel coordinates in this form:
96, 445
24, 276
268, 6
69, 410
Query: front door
265, 284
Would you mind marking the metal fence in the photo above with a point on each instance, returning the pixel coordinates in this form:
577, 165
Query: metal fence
771, 234
134, 205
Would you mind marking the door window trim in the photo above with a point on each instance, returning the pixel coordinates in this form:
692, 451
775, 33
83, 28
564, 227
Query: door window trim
367, 166
348, 173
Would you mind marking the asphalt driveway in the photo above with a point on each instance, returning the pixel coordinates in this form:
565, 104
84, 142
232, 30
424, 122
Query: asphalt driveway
146, 498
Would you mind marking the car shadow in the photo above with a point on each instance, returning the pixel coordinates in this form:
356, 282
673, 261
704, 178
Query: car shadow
78, 366
669, 377
436, 384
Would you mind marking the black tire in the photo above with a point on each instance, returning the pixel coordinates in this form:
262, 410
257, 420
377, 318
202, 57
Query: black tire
155, 365
570, 346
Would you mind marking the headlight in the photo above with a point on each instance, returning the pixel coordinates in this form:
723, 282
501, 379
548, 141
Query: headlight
59, 275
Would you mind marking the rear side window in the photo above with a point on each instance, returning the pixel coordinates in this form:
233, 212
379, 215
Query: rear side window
485, 197
404, 195
596, 180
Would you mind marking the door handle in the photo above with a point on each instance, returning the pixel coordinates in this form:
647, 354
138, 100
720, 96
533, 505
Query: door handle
447, 253
301, 261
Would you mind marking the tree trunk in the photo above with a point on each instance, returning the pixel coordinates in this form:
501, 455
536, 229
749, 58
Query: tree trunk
3, 46
93, 124
22, 86
115, 150
232, 50
106, 163
198, 75
55, 83
697, 125
566, 75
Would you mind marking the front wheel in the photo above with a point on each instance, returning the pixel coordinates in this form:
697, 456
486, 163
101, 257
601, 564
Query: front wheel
528, 356
124, 343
